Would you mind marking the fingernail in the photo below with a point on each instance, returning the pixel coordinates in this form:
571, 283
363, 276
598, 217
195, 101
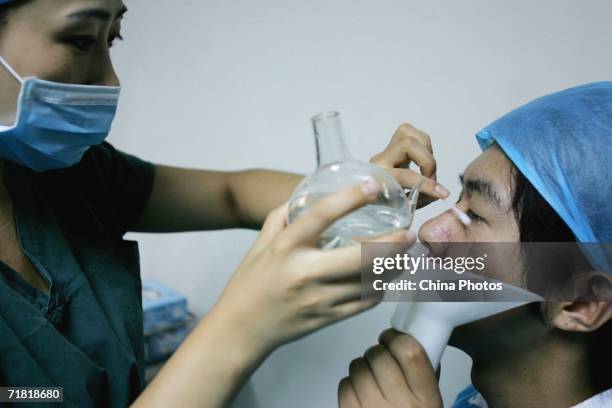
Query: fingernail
441, 190
369, 188
410, 236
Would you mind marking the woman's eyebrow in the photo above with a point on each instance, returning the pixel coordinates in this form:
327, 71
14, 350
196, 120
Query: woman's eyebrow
482, 187
97, 13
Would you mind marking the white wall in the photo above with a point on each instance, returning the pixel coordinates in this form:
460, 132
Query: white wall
231, 84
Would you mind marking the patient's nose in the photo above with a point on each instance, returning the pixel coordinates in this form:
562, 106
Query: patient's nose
440, 230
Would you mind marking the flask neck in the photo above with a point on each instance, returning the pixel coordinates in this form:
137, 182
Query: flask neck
329, 138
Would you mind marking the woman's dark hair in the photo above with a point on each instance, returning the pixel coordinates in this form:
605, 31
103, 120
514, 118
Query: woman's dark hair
539, 222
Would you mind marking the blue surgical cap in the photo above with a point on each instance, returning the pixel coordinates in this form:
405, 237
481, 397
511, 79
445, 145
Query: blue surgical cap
562, 143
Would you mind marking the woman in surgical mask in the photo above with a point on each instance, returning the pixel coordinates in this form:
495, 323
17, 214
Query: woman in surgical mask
70, 310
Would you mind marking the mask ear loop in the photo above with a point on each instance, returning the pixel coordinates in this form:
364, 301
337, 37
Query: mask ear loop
10, 70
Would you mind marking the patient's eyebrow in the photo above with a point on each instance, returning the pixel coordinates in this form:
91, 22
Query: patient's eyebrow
97, 13
482, 187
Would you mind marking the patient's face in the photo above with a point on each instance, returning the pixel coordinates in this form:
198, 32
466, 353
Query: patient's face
486, 197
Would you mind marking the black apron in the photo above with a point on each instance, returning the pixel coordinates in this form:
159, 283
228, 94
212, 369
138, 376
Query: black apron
86, 335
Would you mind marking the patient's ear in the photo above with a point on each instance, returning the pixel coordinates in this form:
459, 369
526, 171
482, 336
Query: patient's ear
593, 309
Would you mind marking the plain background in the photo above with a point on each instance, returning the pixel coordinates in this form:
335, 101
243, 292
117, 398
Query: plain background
232, 84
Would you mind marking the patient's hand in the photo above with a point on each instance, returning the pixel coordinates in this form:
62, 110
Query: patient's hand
394, 373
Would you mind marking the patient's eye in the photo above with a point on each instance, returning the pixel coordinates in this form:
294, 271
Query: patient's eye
111, 40
474, 217
82, 42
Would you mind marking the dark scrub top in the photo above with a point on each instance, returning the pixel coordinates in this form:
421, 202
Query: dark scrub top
86, 336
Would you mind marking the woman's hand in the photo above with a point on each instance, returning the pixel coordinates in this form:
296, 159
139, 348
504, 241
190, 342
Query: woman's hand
286, 287
410, 145
394, 373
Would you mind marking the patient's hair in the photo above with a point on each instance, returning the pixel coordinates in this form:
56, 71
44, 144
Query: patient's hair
5, 8
539, 222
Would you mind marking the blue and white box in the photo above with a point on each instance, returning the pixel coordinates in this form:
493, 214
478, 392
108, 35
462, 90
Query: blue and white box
163, 308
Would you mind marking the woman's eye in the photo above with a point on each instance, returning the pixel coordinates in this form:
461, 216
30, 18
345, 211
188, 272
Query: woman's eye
83, 43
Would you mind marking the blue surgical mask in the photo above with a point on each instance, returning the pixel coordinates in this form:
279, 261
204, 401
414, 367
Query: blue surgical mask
56, 123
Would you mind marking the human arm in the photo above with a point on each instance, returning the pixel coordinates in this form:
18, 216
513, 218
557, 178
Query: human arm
190, 199
284, 289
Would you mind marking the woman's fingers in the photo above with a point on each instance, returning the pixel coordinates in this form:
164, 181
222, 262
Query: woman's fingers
348, 309
408, 144
406, 130
402, 153
308, 228
404, 236
275, 222
414, 363
339, 275
335, 294
408, 178
345, 263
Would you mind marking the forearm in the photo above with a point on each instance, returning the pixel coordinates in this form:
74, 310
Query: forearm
254, 193
197, 200
208, 369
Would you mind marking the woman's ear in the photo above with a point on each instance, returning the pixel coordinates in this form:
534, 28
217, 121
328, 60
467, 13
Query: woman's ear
592, 311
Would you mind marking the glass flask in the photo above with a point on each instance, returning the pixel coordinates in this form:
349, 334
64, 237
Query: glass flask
336, 170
